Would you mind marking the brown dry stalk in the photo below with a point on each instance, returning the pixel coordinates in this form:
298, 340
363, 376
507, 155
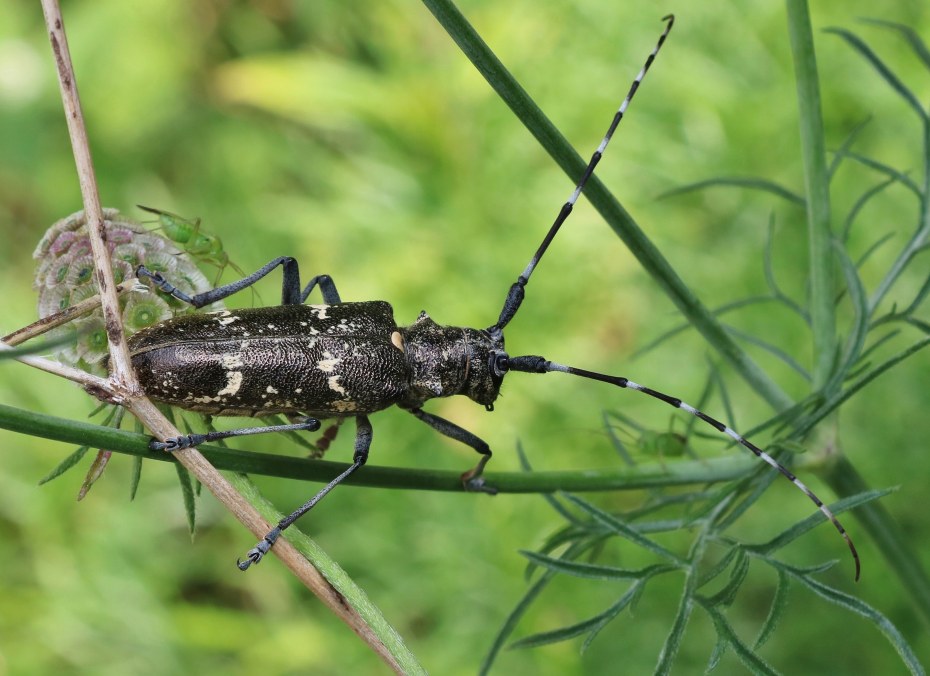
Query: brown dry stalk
122, 386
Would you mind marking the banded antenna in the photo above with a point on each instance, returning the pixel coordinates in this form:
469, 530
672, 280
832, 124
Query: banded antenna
536, 364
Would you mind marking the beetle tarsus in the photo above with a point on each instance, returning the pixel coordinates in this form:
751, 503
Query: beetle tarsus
257, 552
477, 484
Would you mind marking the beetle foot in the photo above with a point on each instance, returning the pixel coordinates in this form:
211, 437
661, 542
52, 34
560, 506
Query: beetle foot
257, 552
477, 484
176, 443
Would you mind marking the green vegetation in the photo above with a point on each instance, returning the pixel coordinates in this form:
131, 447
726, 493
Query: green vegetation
359, 139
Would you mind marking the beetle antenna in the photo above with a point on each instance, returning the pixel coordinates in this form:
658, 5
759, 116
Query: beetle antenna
516, 293
535, 364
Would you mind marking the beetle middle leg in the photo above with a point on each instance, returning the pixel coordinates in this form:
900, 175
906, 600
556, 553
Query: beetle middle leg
472, 479
363, 437
291, 293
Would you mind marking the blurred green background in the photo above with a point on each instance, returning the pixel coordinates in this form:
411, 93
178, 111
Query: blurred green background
357, 138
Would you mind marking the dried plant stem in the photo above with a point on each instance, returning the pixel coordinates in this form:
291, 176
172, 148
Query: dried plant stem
122, 386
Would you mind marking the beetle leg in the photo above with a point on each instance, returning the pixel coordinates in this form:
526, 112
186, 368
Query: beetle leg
327, 288
362, 444
472, 479
190, 440
290, 285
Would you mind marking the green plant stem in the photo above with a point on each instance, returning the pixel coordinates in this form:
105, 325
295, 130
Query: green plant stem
888, 537
817, 189
606, 204
625, 478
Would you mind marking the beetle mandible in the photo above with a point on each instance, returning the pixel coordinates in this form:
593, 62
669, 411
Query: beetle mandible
347, 359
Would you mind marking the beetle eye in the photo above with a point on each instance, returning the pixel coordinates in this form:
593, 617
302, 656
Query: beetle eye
500, 363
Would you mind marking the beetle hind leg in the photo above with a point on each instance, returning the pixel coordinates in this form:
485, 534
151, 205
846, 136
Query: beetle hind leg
363, 437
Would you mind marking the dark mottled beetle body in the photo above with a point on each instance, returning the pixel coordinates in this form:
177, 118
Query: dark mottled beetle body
344, 360
314, 360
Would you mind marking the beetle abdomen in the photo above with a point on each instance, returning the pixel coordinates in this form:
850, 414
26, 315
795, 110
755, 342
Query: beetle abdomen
314, 360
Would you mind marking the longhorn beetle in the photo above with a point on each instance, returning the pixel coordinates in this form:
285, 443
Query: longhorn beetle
342, 360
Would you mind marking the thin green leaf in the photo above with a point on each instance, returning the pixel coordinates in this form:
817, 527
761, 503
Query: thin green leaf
887, 170
752, 661
860, 326
779, 603
727, 594
913, 39
776, 352
187, 491
66, 464
846, 145
772, 282
673, 640
720, 649
588, 570
839, 399
861, 202
615, 440
873, 248
919, 297
798, 529
866, 52
718, 568
623, 530
510, 624
859, 607
684, 326
752, 183
590, 626
136, 475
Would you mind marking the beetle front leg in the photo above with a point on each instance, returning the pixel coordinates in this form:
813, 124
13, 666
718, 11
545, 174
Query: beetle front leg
472, 479
291, 293
363, 437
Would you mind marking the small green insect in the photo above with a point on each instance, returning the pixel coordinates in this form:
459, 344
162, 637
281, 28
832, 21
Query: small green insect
202, 246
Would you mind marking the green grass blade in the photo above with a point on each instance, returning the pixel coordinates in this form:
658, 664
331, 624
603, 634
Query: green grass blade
752, 661
523, 605
886, 73
777, 609
187, 492
859, 607
65, 465
801, 527
910, 35
591, 626
751, 182
623, 530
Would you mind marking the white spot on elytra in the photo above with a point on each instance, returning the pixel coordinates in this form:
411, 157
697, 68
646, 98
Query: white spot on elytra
232, 360
334, 385
271, 390
320, 310
233, 383
328, 364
